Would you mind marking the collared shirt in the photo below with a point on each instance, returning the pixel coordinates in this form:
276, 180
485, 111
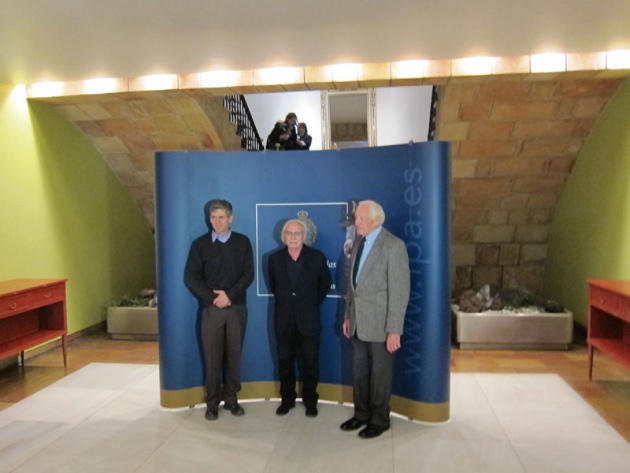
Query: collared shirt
370, 238
221, 238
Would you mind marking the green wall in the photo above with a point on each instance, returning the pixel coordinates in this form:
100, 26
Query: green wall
64, 214
590, 235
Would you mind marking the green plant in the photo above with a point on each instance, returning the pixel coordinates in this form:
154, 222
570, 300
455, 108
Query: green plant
514, 299
145, 298
126, 301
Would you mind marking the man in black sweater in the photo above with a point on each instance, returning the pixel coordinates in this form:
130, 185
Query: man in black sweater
219, 270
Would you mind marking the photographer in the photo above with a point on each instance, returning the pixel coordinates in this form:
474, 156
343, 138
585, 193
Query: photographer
284, 134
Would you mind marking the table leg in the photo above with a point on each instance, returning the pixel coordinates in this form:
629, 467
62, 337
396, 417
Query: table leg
64, 348
591, 351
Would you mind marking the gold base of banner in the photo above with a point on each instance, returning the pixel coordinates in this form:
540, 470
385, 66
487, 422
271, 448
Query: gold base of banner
414, 410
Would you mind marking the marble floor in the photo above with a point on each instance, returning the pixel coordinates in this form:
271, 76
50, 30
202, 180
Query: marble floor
105, 417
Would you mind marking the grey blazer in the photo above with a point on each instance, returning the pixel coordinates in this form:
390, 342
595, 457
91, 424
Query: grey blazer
378, 304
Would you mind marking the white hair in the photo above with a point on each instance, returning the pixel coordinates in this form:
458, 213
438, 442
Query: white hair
295, 220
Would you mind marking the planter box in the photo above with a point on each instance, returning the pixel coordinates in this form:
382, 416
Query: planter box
132, 323
505, 330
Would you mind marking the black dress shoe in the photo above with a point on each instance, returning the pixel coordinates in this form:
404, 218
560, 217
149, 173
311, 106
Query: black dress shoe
311, 411
235, 409
284, 408
372, 431
352, 424
212, 413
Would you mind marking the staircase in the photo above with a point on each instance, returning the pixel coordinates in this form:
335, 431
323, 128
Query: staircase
245, 126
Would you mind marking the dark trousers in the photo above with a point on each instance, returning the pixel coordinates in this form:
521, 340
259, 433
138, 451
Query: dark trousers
222, 332
290, 345
373, 368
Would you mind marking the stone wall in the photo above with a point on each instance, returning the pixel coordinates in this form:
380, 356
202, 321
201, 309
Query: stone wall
129, 128
514, 142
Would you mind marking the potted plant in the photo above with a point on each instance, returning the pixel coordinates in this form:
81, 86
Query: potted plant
134, 318
511, 319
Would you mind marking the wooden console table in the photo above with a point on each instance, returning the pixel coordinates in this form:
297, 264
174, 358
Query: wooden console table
609, 321
32, 312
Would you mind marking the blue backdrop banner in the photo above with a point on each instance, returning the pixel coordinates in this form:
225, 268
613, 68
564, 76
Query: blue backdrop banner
411, 182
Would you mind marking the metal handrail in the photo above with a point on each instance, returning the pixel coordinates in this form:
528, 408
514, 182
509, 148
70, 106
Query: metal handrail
245, 126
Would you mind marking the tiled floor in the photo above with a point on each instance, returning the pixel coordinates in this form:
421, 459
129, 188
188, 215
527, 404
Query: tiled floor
105, 416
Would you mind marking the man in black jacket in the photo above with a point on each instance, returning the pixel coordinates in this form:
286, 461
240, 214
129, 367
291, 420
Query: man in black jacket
219, 270
299, 280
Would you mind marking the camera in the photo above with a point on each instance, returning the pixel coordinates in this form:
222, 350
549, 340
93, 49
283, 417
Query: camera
284, 128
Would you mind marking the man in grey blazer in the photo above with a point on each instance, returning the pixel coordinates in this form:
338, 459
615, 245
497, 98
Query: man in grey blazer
377, 295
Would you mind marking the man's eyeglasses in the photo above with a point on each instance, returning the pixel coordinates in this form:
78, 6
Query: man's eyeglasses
292, 234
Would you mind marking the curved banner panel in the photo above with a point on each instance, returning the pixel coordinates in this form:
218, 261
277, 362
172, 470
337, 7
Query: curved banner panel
411, 182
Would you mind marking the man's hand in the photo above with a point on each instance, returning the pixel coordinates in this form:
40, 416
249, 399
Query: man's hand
222, 300
346, 328
393, 342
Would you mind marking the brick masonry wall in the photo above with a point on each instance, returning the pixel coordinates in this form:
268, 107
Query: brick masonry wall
129, 128
514, 142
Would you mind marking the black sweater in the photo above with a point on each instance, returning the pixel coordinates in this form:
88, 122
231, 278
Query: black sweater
225, 266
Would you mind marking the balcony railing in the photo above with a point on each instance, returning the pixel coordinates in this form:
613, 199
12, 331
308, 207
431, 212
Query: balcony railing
242, 118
